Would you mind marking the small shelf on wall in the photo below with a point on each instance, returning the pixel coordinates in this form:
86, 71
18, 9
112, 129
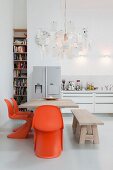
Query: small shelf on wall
20, 95
20, 52
19, 37
21, 86
20, 77
19, 44
20, 68
19, 60
20, 65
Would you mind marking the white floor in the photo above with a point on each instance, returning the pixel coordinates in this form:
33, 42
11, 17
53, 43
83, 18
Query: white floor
19, 154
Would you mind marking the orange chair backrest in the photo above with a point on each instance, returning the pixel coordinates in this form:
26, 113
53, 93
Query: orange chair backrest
47, 118
15, 105
10, 108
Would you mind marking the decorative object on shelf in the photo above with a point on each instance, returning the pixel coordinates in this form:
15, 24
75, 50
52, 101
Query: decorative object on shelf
20, 65
63, 84
51, 98
78, 85
71, 85
63, 42
90, 86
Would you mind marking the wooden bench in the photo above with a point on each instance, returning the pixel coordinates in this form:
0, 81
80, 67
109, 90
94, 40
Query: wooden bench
85, 126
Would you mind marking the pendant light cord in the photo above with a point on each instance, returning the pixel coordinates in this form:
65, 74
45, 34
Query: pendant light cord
65, 15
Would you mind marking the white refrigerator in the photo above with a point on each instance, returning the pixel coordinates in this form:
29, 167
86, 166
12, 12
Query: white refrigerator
46, 82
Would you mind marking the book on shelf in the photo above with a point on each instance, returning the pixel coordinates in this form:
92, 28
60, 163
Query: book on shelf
20, 42
20, 82
20, 49
20, 65
20, 57
20, 91
20, 73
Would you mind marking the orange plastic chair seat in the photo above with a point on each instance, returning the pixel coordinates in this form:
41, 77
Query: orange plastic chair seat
48, 144
48, 131
16, 109
22, 131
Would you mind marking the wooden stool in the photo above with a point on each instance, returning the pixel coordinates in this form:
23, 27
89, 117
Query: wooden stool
85, 126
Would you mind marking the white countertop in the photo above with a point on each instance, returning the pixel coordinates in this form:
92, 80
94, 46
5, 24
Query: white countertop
86, 91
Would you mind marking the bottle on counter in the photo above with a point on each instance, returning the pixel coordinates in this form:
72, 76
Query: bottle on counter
63, 84
78, 85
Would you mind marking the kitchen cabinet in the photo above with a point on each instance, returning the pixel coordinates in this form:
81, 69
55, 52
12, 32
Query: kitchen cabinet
80, 98
93, 101
104, 103
104, 98
84, 100
104, 108
89, 107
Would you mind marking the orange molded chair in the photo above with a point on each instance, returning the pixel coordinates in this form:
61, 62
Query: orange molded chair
23, 131
48, 131
16, 109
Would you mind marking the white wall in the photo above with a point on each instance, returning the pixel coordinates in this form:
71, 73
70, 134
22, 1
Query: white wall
6, 55
20, 13
96, 15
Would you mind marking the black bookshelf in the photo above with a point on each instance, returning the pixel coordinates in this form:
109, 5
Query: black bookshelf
20, 66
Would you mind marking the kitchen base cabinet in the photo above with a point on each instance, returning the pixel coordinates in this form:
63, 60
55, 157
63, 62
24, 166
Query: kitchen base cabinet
94, 102
87, 106
104, 108
80, 99
66, 110
104, 103
85, 101
104, 98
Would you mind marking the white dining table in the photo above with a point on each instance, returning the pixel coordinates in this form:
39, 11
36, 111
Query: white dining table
61, 103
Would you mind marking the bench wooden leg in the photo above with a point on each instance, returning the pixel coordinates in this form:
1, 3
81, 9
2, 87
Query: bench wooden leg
74, 125
83, 134
89, 130
77, 134
95, 134
89, 135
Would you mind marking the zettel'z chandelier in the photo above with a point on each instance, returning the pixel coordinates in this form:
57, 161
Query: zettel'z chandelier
63, 42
